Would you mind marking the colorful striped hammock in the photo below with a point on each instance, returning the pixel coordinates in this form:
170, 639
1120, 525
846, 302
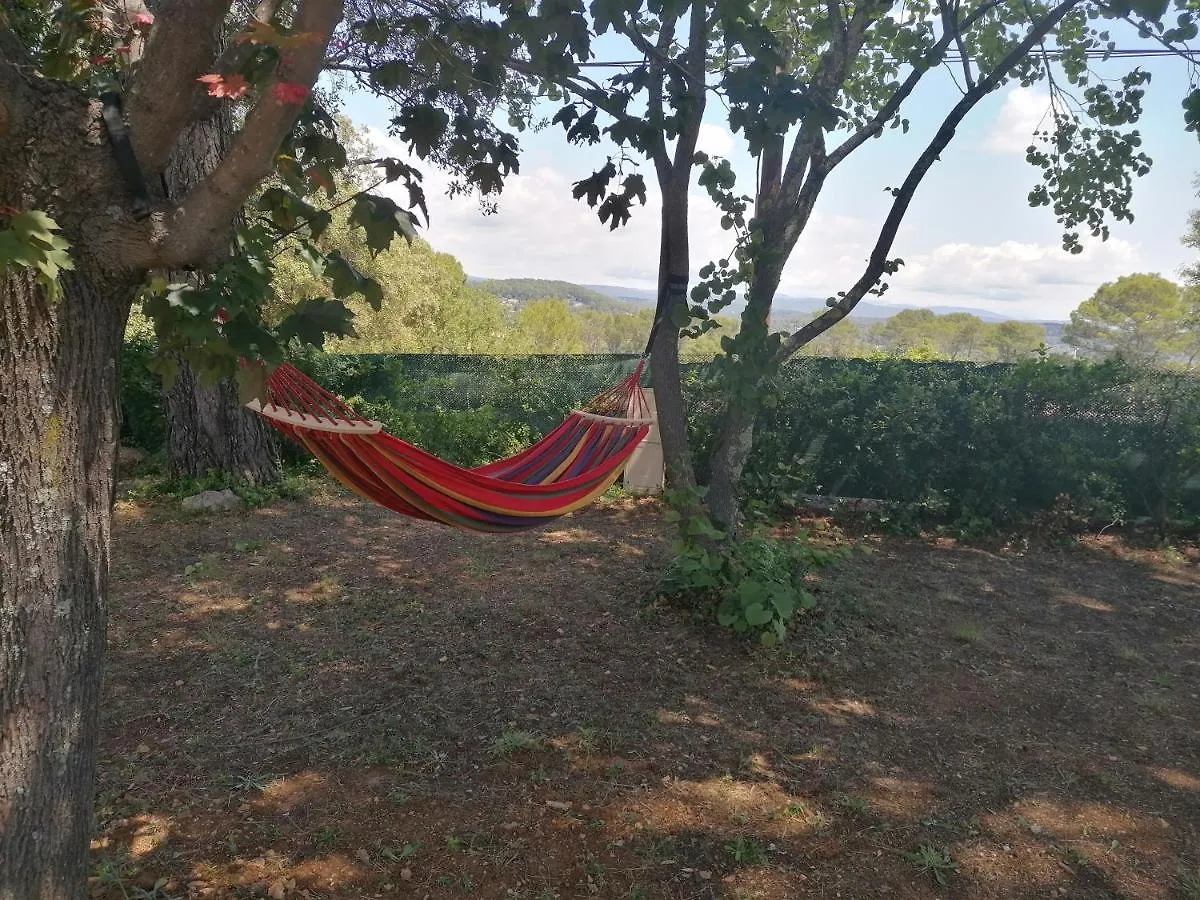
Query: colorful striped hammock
564, 471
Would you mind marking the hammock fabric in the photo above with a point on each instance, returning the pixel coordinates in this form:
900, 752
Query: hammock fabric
564, 471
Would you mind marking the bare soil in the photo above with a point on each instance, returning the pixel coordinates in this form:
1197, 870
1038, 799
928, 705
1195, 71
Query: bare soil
320, 699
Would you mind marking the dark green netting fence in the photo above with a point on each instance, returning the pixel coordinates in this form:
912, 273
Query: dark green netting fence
536, 390
997, 442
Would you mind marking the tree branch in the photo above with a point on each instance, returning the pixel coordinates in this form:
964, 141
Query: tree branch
181, 48
878, 261
656, 54
951, 26
827, 81
232, 58
200, 225
692, 114
889, 109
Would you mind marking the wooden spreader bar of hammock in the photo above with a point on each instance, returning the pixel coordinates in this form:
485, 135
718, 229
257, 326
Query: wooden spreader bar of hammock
314, 423
562, 472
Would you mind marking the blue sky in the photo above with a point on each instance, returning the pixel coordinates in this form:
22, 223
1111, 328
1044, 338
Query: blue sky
970, 238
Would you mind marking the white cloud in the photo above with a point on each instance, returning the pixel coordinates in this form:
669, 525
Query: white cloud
1012, 131
714, 140
1036, 280
540, 231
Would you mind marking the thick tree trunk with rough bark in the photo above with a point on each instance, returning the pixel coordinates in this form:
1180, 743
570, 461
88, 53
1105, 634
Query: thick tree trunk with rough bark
59, 390
208, 429
58, 437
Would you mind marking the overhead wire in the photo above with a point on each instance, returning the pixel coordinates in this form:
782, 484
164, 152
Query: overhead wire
1116, 53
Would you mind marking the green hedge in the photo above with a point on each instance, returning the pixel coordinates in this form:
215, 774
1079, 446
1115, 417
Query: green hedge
970, 444
990, 443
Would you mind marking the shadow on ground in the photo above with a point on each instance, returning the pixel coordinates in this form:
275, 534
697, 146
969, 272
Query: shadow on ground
321, 699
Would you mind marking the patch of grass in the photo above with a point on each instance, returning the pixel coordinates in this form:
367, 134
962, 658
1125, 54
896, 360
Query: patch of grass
454, 843
747, 851
933, 860
512, 741
796, 811
1130, 654
462, 883
1074, 857
853, 802
597, 874
395, 855
292, 486
968, 634
661, 848
1165, 680
255, 783
1155, 703
593, 740
1188, 884
328, 837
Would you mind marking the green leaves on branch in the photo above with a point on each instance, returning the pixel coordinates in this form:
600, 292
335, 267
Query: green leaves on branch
382, 220
32, 240
311, 321
1087, 176
615, 205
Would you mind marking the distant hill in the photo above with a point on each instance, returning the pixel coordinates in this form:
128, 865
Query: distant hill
639, 296
789, 309
793, 307
522, 290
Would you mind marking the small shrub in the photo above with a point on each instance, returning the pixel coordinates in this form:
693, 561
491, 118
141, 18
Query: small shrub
510, 742
747, 851
753, 585
933, 860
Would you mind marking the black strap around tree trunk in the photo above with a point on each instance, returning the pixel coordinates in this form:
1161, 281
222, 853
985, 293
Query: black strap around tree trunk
127, 164
675, 287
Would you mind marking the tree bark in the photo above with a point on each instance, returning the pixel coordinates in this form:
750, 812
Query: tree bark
673, 268
58, 436
208, 429
735, 427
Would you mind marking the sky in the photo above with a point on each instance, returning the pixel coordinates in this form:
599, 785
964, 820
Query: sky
970, 238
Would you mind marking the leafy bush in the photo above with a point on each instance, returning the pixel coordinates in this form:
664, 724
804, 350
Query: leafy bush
293, 486
754, 585
971, 447
468, 438
964, 446
143, 416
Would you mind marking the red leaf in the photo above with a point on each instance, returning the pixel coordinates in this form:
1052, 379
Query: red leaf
289, 92
231, 86
143, 20
319, 178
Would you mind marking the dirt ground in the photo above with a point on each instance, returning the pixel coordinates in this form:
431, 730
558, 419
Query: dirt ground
319, 699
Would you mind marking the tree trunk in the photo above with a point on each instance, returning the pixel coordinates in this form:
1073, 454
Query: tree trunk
735, 428
58, 436
735, 439
673, 268
208, 429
